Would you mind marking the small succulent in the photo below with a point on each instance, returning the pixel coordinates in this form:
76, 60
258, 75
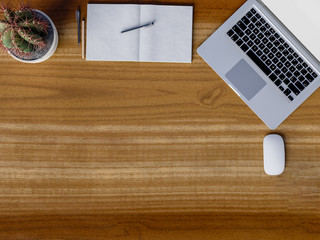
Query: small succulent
21, 31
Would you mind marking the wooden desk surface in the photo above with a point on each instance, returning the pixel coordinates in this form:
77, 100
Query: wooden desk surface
146, 150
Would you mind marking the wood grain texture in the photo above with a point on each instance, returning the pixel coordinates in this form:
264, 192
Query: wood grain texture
104, 150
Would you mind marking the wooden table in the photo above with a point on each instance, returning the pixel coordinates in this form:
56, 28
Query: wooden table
105, 150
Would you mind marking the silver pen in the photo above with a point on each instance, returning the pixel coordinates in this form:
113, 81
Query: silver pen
141, 26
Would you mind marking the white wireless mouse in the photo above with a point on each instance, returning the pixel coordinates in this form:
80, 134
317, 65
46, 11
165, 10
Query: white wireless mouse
273, 154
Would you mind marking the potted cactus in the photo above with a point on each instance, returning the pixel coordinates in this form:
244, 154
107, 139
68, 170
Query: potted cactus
28, 35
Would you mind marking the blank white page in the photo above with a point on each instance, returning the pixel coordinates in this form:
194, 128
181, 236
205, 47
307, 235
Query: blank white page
301, 17
104, 25
170, 39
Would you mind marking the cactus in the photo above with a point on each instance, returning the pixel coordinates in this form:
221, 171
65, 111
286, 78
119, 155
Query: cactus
21, 31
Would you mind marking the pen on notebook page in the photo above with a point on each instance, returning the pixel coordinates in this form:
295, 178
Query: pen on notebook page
142, 26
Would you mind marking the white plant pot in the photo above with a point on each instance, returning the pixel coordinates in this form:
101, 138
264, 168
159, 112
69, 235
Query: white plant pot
52, 48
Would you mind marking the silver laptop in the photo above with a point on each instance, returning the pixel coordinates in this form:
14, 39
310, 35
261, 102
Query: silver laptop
263, 61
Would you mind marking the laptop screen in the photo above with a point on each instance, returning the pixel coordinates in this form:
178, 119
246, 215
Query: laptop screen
301, 17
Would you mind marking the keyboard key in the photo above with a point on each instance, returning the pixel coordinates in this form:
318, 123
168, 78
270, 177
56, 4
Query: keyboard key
273, 77
250, 43
314, 75
290, 57
290, 98
267, 33
286, 81
249, 15
278, 82
287, 64
287, 92
309, 77
293, 79
294, 62
284, 69
253, 37
262, 46
253, 11
271, 55
304, 71
305, 83
281, 48
282, 76
276, 43
268, 62
258, 24
260, 36
236, 29
292, 69
242, 25
300, 86
301, 78
289, 74
259, 53
244, 47
280, 65
239, 42
245, 20
248, 32
230, 33
281, 88
235, 37
294, 89
272, 38
258, 16
257, 41
259, 63
297, 73
277, 72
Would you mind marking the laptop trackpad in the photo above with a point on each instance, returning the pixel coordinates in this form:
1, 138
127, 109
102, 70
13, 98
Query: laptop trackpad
245, 79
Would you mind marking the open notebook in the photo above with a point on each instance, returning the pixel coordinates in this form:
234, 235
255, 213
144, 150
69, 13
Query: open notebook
168, 40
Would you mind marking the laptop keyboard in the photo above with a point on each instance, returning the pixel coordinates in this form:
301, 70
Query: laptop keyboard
272, 54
